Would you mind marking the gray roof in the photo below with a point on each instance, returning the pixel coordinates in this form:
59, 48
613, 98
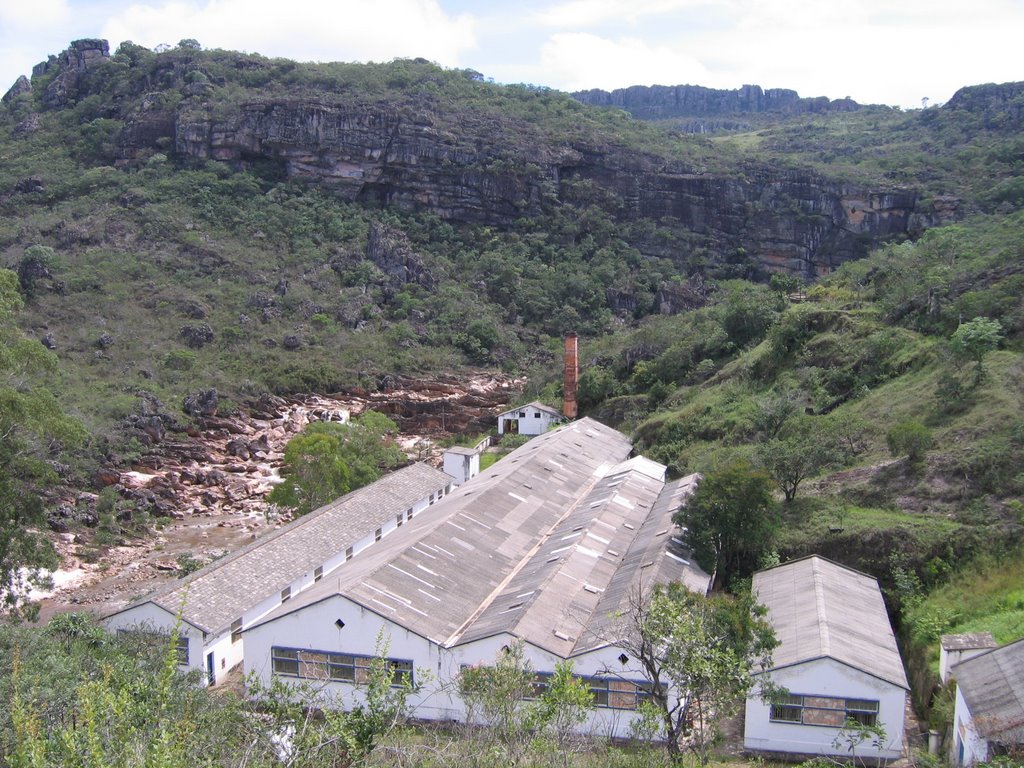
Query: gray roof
535, 404
543, 545
220, 593
969, 641
992, 684
820, 609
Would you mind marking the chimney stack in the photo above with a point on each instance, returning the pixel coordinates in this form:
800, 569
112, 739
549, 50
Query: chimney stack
572, 375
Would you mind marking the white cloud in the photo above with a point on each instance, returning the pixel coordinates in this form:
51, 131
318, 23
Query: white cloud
575, 61
589, 13
306, 30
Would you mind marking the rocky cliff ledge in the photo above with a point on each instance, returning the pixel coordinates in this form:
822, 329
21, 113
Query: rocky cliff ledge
490, 168
662, 101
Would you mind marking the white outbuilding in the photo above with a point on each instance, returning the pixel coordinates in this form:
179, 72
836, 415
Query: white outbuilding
212, 606
837, 658
531, 419
988, 717
546, 547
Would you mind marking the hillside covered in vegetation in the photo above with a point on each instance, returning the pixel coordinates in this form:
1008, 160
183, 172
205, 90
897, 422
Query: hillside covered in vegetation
832, 297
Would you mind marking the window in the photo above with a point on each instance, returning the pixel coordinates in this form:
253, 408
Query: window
399, 520
378, 534
181, 649
536, 415
608, 692
349, 553
318, 573
824, 710
408, 514
236, 630
286, 593
324, 665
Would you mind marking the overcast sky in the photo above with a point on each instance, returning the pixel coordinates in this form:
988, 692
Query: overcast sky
875, 51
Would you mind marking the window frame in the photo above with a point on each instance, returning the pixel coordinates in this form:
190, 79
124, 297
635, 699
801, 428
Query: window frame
865, 712
338, 666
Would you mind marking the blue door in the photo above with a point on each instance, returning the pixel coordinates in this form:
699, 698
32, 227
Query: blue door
210, 677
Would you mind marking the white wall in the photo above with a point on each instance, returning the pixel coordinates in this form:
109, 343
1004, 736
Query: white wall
149, 617
825, 677
535, 421
967, 747
436, 668
948, 659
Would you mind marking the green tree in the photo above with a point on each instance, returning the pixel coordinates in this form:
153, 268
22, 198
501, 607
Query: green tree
730, 520
909, 438
975, 339
327, 460
699, 655
800, 452
32, 427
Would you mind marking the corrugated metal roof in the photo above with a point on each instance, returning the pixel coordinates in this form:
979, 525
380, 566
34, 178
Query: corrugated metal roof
968, 641
531, 547
993, 687
822, 609
220, 593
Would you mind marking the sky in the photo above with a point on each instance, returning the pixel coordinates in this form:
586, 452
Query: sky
895, 52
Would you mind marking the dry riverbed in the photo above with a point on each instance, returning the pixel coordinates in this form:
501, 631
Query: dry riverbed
210, 484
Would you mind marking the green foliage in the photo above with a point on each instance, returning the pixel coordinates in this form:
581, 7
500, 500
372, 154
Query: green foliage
975, 339
699, 655
730, 520
32, 427
911, 439
327, 460
504, 697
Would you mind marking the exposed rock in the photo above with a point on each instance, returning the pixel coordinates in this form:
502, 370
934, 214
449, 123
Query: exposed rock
73, 65
389, 249
281, 289
105, 341
291, 341
48, 341
29, 184
21, 86
201, 403
1002, 104
661, 101
30, 124
193, 309
196, 335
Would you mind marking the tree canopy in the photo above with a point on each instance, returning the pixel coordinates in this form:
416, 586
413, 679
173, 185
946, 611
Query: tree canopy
328, 459
699, 655
730, 519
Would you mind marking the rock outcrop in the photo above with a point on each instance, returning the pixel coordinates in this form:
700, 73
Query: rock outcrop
662, 101
423, 159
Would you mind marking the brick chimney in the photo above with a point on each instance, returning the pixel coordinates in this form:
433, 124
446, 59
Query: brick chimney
572, 375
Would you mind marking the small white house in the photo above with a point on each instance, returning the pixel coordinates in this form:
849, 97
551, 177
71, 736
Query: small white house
212, 606
531, 419
837, 659
956, 648
545, 547
462, 464
988, 717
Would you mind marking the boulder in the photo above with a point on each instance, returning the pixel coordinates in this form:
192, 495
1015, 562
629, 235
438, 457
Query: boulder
202, 403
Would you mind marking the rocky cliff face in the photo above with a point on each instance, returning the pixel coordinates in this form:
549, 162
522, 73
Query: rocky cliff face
662, 101
422, 160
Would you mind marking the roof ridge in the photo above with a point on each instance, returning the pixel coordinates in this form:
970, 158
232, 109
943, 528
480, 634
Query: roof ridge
455, 636
819, 598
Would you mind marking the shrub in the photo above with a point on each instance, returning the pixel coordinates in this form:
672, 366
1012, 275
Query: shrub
909, 438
